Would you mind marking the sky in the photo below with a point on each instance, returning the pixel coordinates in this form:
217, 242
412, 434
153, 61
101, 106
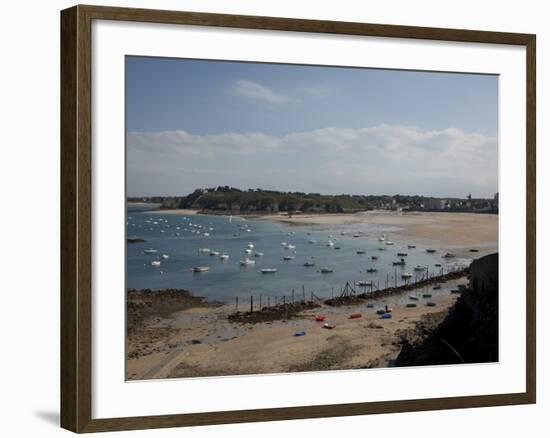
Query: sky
199, 123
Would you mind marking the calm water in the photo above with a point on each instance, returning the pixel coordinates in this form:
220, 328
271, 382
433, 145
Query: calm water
172, 235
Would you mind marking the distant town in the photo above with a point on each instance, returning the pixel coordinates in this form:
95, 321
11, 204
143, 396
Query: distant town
231, 200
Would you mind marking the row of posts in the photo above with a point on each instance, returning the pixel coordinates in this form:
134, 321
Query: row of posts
372, 286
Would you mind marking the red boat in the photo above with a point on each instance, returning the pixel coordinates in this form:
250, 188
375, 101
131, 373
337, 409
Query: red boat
355, 315
320, 318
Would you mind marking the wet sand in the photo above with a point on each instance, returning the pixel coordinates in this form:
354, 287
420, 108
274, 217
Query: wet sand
202, 341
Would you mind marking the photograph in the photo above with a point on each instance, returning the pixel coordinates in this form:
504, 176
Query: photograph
285, 218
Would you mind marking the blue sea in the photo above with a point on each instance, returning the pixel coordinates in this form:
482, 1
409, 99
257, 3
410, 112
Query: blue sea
180, 238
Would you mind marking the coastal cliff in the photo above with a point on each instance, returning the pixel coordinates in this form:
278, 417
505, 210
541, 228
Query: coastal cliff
469, 332
229, 200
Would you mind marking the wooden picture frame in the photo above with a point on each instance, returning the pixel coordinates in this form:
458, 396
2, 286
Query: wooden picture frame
76, 217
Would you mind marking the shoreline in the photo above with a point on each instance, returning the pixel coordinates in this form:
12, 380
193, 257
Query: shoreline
196, 340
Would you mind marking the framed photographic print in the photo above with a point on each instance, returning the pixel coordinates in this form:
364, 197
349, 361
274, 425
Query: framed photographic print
270, 218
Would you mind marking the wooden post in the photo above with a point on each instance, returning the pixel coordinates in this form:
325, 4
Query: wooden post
395, 272
260, 302
268, 301
311, 295
237, 303
304, 293
292, 294
251, 303
284, 299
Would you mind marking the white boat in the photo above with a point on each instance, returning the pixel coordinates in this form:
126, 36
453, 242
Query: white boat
247, 262
381, 248
250, 246
206, 234
150, 251
389, 243
214, 253
406, 275
364, 282
201, 269
330, 243
283, 244
326, 270
382, 238
289, 246
449, 255
165, 256
357, 235
258, 254
204, 250
419, 268
287, 258
155, 263
268, 270
312, 241
248, 250
309, 264
224, 256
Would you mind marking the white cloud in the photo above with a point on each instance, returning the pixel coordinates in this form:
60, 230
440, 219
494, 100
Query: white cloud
380, 159
255, 91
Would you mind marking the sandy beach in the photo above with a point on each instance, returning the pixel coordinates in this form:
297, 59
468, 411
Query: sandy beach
458, 232
201, 341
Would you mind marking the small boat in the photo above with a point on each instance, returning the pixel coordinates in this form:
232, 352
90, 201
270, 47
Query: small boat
361, 251
327, 271
406, 275
289, 246
449, 255
411, 246
330, 243
247, 262
284, 244
165, 256
364, 283
300, 333
320, 318
437, 287
371, 270
250, 246
381, 248
201, 269
430, 304
413, 297
355, 316
419, 268
374, 257
258, 254
328, 326
268, 270
337, 247
402, 254
309, 264
455, 291
438, 265
357, 235
150, 251
206, 234
426, 295
380, 312
155, 263
214, 253
389, 243
370, 306
287, 258
224, 256
474, 250
386, 316
431, 250
204, 250
312, 241
248, 250
382, 238
399, 263
410, 305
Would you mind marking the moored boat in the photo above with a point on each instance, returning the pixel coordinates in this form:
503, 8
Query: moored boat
201, 269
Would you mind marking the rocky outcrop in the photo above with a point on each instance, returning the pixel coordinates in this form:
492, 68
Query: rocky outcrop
469, 333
